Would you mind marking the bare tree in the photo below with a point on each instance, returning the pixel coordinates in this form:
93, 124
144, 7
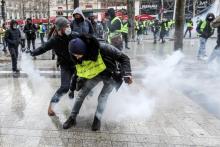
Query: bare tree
179, 24
131, 9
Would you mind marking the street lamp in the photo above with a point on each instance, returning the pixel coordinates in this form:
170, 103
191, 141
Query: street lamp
3, 10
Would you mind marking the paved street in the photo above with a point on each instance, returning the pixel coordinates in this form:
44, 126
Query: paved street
174, 102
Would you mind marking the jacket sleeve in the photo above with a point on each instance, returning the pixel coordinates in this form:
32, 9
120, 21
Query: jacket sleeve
117, 55
50, 44
115, 26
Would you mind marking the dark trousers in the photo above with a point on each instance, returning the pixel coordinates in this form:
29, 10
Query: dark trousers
4, 44
14, 57
42, 38
188, 30
125, 38
66, 75
22, 43
29, 44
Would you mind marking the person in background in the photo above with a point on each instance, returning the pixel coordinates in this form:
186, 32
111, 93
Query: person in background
30, 31
2, 32
155, 28
80, 24
124, 32
114, 29
189, 28
205, 31
163, 30
13, 38
21, 29
42, 30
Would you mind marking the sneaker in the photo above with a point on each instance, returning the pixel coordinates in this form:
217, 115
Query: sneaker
96, 125
17, 71
127, 47
50, 110
71, 121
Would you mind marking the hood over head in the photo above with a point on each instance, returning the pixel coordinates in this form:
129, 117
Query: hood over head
210, 17
85, 44
78, 10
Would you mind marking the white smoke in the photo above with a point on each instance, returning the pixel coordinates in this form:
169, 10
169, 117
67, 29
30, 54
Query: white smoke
39, 84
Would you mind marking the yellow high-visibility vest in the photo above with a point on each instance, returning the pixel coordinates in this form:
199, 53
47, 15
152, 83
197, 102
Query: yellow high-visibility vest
89, 69
124, 29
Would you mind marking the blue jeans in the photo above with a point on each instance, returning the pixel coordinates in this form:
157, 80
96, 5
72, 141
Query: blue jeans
102, 98
202, 47
215, 55
66, 75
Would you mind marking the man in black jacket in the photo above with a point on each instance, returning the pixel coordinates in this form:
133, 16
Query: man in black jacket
205, 31
80, 24
13, 38
96, 63
30, 32
59, 43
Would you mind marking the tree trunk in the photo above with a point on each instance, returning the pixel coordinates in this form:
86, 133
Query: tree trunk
194, 7
76, 4
179, 24
130, 9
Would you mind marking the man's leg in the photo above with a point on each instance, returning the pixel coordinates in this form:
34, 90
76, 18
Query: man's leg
102, 101
126, 41
33, 43
64, 88
13, 59
79, 100
201, 50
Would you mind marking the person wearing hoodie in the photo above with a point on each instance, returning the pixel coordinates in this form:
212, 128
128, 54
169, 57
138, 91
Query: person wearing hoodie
114, 29
80, 24
59, 43
13, 39
205, 31
97, 62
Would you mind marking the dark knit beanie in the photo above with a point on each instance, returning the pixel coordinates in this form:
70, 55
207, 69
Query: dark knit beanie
77, 46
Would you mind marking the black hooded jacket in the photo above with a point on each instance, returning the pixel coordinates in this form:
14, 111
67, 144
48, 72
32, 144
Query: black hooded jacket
110, 55
208, 31
13, 36
60, 45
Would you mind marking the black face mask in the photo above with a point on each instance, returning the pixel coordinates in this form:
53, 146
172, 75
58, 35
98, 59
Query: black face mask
78, 20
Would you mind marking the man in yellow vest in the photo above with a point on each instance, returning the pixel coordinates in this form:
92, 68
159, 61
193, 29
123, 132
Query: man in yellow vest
124, 32
189, 28
96, 62
114, 29
42, 30
205, 31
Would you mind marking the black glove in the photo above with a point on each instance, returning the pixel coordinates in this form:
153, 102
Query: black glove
71, 94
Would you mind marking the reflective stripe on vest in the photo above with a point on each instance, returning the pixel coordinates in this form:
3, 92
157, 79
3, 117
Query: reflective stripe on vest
124, 29
89, 69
